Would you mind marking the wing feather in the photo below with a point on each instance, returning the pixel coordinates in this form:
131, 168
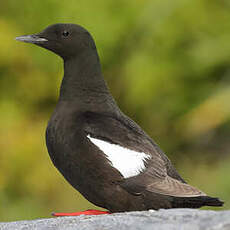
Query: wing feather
159, 175
173, 187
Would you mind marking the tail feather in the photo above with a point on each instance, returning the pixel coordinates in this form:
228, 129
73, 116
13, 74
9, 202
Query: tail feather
213, 201
196, 202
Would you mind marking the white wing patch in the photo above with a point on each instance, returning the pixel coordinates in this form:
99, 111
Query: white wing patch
128, 162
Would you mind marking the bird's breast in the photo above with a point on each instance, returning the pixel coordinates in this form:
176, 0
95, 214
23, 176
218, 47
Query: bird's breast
61, 140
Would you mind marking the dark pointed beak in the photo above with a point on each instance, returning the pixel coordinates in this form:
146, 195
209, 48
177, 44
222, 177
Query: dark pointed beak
34, 38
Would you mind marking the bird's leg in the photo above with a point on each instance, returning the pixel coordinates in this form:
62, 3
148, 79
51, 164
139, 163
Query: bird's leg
86, 212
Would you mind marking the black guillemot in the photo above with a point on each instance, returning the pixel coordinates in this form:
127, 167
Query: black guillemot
100, 151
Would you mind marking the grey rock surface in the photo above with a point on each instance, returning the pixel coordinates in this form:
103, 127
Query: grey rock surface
172, 219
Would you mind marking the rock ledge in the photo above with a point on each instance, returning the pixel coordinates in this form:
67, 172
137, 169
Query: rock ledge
172, 219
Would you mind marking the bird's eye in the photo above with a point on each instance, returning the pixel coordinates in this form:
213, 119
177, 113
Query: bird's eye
65, 33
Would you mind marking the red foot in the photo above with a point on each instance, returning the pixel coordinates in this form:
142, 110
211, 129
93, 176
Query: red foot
86, 212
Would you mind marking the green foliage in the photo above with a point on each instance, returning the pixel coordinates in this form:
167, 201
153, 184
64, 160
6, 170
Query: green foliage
168, 66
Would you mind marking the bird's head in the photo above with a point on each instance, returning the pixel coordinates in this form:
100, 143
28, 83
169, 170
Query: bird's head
66, 40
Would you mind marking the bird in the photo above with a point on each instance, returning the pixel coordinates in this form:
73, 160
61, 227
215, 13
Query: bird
99, 150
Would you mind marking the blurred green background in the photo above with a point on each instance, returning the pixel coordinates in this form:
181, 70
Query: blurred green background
167, 64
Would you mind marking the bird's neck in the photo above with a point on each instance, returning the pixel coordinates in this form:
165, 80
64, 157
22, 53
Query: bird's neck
83, 82
82, 76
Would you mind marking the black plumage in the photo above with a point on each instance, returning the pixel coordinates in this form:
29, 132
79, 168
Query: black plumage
86, 111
